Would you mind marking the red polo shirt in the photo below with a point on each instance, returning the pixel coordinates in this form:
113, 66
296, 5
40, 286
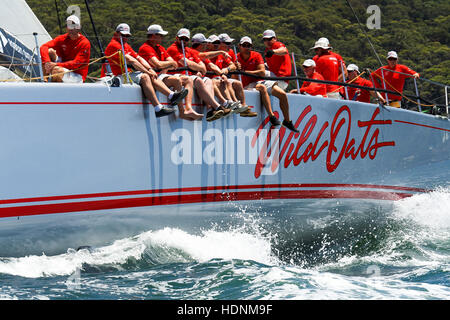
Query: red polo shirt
280, 65
147, 52
364, 95
251, 64
74, 54
391, 78
314, 88
176, 52
114, 61
328, 66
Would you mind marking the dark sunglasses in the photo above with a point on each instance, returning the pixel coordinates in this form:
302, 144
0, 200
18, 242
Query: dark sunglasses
185, 39
246, 45
267, 39
227, 43
392, 59
216, 42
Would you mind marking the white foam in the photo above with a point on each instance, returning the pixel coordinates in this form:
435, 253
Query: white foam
429, 209
203, 247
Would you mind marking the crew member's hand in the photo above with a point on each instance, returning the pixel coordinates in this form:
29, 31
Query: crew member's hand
238, 65
416, 75
48, 66
269, 53
152, 73
174, 65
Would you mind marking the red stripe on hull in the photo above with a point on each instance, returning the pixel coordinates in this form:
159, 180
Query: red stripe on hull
210, 188
196, 198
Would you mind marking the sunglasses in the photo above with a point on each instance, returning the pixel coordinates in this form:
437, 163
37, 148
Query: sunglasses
246, 45
267, 39
216, 42
227, 43
392, 59
185, 39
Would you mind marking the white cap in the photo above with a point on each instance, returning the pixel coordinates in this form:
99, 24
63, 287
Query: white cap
124, 29
269, 34
73, 22
212, 38
352, 67
223, 37
322, 43
246, 40
183, 32
392, 54
198, 38
309, 63
156, 29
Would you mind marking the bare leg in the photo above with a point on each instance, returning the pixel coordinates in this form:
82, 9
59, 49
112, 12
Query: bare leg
238, 90
160, 86
218, 91
149, 91
284, 104
184, 113
206, 92
265, 99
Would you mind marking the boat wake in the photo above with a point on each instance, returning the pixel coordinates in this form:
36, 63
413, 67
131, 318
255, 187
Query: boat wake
403, 253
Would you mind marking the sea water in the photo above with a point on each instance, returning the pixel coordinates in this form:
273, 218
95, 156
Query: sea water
333, 249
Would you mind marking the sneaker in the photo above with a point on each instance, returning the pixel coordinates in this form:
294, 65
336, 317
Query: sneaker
248, 113
274, 121
165, 111
290, 126
241, 108
226, 111
233, 106
178, 96
214, 115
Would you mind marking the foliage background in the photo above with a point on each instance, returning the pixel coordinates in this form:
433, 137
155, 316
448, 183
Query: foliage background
418, 30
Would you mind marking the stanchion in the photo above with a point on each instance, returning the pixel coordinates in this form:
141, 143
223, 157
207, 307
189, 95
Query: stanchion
184, 56
125, 61
41, 72
235, 53
295, 72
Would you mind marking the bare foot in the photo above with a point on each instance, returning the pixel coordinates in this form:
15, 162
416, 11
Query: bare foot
192, 114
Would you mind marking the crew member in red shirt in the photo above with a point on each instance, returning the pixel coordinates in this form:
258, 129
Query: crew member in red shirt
253, 63
328, 65
279, 62
218, 79
312, 88
359, 94
394, 81
156, 55
203, 85
228, 65
66, 58
326, 44
145, 76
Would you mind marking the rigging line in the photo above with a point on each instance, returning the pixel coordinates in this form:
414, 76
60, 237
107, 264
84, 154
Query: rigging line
365, 33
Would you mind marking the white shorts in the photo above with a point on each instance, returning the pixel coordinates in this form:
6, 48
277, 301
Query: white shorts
134, 76
334, 95
268, 84
163, 76
71, 77
204, 79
